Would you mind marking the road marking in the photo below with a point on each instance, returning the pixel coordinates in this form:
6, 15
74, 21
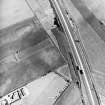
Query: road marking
73, 43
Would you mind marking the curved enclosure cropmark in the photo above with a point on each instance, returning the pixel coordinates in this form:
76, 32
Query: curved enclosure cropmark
27, 58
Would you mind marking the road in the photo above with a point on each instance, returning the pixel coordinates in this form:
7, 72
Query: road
85, 77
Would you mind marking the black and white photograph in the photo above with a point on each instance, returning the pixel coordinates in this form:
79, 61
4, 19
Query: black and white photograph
52, 52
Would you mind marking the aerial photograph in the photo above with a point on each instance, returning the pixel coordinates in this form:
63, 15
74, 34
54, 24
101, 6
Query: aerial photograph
52, 52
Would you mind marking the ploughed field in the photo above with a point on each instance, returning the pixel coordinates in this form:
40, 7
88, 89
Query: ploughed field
26, 59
